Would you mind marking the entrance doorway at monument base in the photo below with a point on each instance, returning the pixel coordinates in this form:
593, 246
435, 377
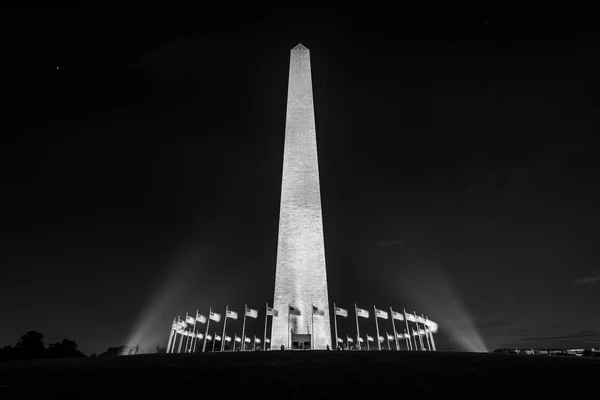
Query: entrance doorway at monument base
300, 341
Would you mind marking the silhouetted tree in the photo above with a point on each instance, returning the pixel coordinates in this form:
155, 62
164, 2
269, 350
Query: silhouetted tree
113, 351
64, 349
31, 345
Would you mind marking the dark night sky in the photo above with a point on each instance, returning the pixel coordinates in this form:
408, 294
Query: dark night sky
142, 150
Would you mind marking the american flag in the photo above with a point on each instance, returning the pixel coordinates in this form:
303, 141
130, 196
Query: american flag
341, 312
362, 313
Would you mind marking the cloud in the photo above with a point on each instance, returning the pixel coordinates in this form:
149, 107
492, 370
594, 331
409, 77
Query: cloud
589, 279
531, 337
389, 243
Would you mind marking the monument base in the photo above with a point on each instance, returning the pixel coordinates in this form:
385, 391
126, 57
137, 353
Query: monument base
301, 341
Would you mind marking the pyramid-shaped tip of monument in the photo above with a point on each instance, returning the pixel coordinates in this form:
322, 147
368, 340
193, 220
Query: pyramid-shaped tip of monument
300, 46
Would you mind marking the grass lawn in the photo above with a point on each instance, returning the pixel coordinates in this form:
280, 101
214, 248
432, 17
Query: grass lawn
303, 374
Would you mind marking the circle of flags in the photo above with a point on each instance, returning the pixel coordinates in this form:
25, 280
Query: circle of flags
418, 335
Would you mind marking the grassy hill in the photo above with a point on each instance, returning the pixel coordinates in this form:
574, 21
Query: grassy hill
297, 375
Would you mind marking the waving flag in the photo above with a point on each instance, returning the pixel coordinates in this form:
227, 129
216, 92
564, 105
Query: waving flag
238, 339
215, 317
317, 311
370, 339
362, 313
208, 337
200, 318
182, 325
267, 340
251, 313
420, 320
294, 311
227, 339
390, 337
257, 340
410, 317
360, 340
433, 327
248, 340
381, 314
381, 339
199, 335
217, 337
341, 312
340, 340
231, 314
179, 331
272, 312
349, 339
190, 320
397, 315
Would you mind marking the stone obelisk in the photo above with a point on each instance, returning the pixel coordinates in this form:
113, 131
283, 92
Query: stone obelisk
301, 278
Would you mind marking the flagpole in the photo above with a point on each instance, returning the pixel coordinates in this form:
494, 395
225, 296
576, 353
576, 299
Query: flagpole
187, 338
214, 341
194, 331
288, 325
335, 324
426, 335
189, 348
175, 341
207, 324
394, 328
408, 331
368, 347
388, 340
408, 347
419, 331
193, 341
244, 330
431, 336
224, 325
181, 341
254, 348
377, 326
265, 336
357, 329
196, 338
312, 323
171, 336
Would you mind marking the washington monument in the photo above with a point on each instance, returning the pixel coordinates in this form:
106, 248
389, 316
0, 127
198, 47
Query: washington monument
301, 277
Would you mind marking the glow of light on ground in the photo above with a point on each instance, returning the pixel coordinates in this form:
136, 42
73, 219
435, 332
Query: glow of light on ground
437, 297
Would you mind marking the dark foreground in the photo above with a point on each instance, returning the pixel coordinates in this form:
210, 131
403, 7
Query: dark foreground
277, 374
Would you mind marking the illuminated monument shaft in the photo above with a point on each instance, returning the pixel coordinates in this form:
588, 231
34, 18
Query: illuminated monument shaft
300, 279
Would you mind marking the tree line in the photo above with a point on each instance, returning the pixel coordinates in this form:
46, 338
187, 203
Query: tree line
31, 346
